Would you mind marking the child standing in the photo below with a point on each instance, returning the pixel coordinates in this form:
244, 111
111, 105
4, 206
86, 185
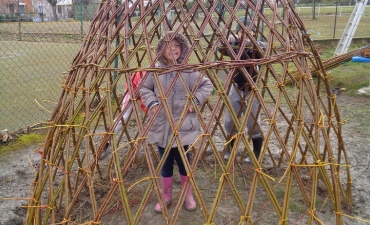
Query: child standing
240, 92
161, 132
136, 77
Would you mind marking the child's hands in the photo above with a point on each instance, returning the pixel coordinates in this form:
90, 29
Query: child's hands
191, 109
231, 39
154, 109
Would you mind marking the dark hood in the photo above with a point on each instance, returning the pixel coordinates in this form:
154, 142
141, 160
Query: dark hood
180, 38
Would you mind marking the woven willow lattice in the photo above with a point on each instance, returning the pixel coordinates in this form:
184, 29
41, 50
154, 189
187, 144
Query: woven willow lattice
301, 125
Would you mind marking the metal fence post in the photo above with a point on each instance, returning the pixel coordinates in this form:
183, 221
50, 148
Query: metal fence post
335, 18
82, 29
116, 59
19, 24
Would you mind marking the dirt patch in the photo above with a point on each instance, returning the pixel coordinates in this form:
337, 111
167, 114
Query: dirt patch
18, 169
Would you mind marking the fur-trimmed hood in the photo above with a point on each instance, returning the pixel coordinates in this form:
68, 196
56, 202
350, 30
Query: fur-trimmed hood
180, 38
246, 22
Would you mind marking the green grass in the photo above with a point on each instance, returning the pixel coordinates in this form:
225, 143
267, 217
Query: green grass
359, 114
32, 80
297, 207
325, 25
22, 141
350, 75
59, 27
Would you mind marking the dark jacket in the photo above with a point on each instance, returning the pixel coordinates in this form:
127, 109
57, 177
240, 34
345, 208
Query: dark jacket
248, 53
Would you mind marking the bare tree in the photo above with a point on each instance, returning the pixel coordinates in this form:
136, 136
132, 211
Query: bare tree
53, 4
85, 3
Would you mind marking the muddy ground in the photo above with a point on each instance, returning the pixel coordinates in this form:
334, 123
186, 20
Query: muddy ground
17, 172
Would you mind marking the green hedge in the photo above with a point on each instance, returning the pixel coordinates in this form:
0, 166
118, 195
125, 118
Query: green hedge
5, 18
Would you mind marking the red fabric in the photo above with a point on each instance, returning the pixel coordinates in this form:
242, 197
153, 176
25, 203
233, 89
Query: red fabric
135, 82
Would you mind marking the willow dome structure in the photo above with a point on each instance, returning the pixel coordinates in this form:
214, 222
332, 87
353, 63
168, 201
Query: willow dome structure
91, 175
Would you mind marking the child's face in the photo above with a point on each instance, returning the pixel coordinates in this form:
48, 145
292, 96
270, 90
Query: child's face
242, 35
172, 52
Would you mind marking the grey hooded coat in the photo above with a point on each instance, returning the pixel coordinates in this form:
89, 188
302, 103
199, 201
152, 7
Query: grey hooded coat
161, 132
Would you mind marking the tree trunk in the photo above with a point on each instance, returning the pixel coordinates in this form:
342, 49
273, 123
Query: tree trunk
55, 16
53, 4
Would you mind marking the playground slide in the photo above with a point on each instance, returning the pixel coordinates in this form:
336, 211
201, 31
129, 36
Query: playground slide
360, 59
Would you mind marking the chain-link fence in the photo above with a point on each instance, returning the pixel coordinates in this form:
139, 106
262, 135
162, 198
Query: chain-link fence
39, 42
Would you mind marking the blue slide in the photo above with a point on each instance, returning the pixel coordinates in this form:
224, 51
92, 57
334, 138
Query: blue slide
360, 59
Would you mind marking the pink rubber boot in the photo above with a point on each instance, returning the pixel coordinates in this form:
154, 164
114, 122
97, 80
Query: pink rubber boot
167, 193
190, 204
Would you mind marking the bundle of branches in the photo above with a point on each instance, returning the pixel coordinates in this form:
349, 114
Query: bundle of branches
365, 51
328, 64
